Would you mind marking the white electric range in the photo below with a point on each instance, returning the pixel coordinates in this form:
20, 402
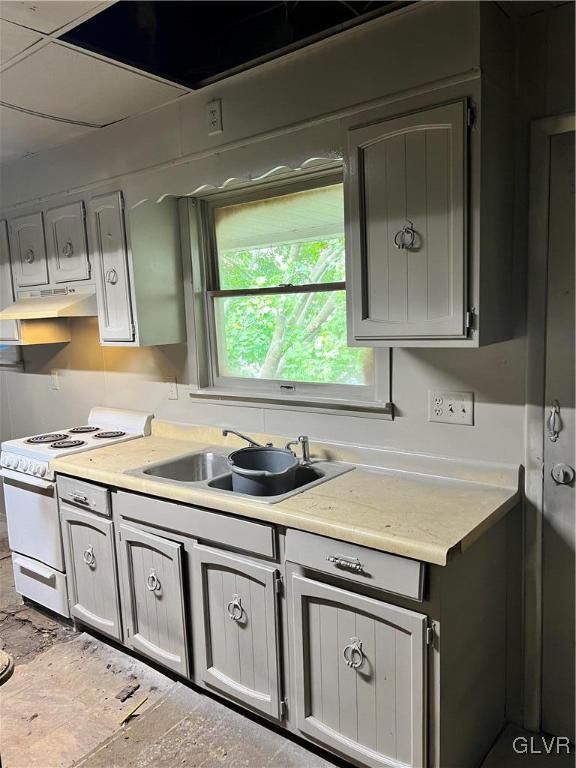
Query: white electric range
31, 501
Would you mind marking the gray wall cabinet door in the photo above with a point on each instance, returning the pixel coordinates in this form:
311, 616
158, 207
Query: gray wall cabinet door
153, 587
91, 568
359, 669
238, 617
9, 329
66, 243
110, 255
29, 264
406, 204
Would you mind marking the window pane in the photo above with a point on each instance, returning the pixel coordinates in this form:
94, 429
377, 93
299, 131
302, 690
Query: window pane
294, 337
296, 238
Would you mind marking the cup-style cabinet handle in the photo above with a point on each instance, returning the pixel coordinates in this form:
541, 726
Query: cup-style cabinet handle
111, 276
68, 249
153, 582
88, 557
353, 653
348, 563
234, 608
29, 256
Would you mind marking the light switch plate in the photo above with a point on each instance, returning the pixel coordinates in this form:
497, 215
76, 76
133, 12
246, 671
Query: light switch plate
451, 407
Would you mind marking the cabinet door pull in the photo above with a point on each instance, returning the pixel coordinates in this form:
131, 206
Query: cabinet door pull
29, 256
234, 608
353, 653
68, 249
88, 557
111, 276
554, 422
405, 238
153, 582
79, 498
349, 563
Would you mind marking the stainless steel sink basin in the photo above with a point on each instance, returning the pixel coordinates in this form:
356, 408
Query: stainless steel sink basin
190, 469
209, 470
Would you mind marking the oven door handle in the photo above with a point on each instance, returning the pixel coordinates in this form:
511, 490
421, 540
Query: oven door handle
23, 479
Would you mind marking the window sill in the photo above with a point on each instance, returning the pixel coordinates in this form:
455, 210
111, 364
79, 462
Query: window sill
373, 410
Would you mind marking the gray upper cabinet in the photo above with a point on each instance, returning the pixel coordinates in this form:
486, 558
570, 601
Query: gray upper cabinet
91, 569
9, 329
406, 214
236, 600
138, 270
66, 243
359, 674
28, 251
151, 573
111, 264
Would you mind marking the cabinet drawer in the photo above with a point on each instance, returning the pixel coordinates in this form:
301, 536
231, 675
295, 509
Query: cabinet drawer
379, 570
89, 496
245, 535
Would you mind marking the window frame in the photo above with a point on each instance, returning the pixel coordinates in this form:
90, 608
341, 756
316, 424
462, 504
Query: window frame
206, 380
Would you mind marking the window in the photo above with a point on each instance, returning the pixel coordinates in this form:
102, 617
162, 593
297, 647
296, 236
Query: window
275, 295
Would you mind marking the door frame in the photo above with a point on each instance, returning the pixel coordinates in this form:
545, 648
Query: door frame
541, 135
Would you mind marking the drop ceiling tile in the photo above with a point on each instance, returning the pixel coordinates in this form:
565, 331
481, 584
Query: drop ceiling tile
22, 134
14, 39
66, 83
46, 15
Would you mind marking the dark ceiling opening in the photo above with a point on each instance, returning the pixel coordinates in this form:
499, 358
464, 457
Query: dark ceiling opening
194, 42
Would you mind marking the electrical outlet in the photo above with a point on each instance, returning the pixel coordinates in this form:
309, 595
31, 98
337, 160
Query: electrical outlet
54, 379
451, 407
214, 116
172, 387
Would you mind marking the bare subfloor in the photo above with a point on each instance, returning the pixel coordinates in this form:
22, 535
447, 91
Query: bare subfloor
61, 708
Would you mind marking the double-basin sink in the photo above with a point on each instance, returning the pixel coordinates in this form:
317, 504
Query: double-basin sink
209, 470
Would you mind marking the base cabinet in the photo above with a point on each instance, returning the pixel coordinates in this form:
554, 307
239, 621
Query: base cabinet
237, 611
91, 569
359, 674
153, 590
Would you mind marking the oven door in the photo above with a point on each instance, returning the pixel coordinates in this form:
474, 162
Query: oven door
32, 518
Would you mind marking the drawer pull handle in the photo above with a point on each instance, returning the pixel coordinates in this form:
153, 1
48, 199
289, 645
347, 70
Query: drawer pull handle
89, 558
153, 582
79, 498
234, 608
349, 563
353, 653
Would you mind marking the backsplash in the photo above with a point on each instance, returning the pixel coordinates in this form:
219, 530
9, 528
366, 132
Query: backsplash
88, 375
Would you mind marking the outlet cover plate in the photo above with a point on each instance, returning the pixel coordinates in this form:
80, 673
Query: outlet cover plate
451, 407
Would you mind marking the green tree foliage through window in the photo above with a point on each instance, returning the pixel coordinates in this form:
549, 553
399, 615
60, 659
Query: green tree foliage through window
297, 336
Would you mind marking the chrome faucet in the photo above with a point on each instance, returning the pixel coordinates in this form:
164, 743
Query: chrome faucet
252, 443
304, 441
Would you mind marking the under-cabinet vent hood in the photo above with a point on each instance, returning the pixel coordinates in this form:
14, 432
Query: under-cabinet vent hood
44, 304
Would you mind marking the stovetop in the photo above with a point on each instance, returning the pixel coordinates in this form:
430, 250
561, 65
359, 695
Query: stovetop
105, 426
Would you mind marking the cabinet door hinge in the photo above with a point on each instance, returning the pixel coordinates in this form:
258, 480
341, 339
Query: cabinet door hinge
470, 116
430, 635
470, 317
278, 585
283, 708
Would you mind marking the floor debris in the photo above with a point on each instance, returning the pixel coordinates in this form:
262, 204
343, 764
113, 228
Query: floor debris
127, 691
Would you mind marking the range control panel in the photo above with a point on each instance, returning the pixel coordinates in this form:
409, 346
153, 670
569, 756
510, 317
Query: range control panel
32, 467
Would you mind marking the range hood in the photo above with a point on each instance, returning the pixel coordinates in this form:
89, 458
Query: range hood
40, 305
